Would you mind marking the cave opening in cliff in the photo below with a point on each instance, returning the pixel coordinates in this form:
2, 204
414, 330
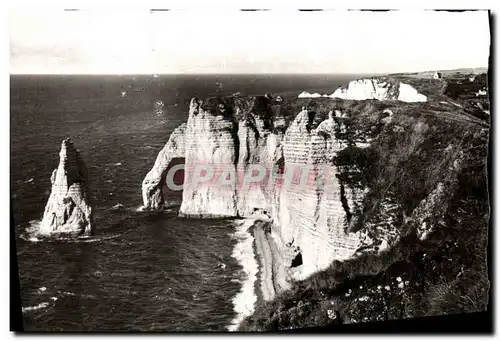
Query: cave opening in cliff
280, 165
174, 180
297, 261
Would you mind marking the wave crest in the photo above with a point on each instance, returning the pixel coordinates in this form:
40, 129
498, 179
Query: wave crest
244, 301
31, 234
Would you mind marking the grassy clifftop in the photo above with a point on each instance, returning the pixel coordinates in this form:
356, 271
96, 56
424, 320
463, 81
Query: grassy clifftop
426, 177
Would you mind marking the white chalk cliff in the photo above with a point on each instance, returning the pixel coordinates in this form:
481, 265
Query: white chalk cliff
237, 135
68, 210
306, 94
210, 141
231, 147
311, 216
309, 190
374, 88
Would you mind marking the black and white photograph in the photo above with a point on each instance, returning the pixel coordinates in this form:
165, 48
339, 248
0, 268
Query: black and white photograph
231, 170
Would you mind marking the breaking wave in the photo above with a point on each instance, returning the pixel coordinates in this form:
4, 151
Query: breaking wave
31, 234
244, 301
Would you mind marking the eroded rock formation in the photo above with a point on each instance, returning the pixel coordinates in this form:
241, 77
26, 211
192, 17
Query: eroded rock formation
211, 147
332, 184
382, 90
312, 214
68, 210
224, 140
155, 180
260, 164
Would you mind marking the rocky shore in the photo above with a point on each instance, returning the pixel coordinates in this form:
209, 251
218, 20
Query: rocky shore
273, 276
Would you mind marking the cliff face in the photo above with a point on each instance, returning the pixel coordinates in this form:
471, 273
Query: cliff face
310, 213
68, 209
381, 90
231, 146
259, 138
374, 88
210, 152
242, 158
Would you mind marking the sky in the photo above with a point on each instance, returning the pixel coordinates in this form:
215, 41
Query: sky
114, 41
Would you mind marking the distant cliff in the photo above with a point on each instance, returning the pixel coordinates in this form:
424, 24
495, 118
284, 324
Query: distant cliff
344, 181
381, 89
68, 210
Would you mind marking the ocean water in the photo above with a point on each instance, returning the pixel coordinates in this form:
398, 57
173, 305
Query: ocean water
140, 271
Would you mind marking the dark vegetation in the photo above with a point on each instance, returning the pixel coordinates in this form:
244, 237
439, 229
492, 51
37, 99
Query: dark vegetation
417, 147
473, 92
458, 89
466, 87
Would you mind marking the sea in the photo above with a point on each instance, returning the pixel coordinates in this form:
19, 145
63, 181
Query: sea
140, 271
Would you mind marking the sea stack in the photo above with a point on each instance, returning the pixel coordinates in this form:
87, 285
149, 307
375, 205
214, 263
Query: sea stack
68, 210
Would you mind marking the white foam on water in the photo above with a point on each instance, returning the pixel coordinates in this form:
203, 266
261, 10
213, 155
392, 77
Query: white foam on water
69, 293
36, 307
31, 234
88, 239
244, 301
118, 207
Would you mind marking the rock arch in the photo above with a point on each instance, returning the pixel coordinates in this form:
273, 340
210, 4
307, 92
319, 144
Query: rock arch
155, 180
